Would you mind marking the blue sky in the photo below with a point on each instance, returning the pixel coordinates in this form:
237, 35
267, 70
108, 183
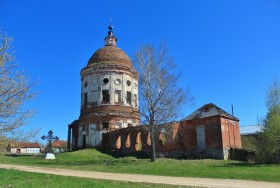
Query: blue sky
228, 50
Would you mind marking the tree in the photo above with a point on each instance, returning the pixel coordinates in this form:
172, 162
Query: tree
268, 143
15, 91
161, 100
273, 95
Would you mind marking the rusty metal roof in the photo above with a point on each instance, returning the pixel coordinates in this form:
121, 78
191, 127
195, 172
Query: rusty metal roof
209, 110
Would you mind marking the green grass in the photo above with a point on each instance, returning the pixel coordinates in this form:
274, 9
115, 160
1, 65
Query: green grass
93, 160
14, 179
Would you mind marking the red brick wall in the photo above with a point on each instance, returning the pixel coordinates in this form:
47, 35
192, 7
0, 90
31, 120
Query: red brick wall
188, 138
220, 133
230, 133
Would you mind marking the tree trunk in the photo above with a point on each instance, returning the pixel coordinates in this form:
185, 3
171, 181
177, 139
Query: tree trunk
152, 135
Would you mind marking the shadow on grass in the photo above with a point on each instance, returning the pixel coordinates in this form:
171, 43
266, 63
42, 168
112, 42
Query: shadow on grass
118, 154
249, 164
245, 164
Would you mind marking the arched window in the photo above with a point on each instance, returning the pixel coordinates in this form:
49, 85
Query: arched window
127, 140
149, 139
138, 144
162, 136
118, 142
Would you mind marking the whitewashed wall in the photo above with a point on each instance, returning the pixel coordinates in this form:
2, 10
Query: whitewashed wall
26, 150
81, 134
93, 86
95, 136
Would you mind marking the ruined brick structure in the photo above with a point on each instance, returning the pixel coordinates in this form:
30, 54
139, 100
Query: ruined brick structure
109, 115
208, 132
109, 96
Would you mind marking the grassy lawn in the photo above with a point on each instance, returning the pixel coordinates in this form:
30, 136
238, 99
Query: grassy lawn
93, 160
13, 178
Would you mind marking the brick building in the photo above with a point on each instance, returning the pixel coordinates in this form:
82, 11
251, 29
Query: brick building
209, 132
109, 115
109, 96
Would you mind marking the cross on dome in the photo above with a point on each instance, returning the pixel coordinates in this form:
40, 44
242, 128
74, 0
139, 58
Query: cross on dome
110, 40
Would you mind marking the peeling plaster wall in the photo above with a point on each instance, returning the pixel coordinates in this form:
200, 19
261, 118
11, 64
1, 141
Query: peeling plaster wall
93, 85
82, 133
116, 111
94, 136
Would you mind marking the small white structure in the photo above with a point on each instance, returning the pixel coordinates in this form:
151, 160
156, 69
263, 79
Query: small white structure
49, 156
24, 148
59, 146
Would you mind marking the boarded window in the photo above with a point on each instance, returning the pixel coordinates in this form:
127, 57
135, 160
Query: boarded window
105, 96
118, 96
128, 97
200, 137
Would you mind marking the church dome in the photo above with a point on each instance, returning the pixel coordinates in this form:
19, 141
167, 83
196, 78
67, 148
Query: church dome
110, 54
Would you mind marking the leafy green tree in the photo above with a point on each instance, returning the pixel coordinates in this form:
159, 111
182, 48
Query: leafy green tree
15, 91
268, 144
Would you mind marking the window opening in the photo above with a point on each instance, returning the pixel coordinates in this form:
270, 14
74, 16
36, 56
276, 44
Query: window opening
127, 141
118, 142
135, 100
117, 81
128, 97
117, 96
105, 125
85, 99
106, 96
105, 80
128, 83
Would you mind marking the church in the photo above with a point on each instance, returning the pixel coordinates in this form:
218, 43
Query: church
109, 95
109, 115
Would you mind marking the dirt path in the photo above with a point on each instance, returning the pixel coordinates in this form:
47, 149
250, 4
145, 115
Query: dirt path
199, 182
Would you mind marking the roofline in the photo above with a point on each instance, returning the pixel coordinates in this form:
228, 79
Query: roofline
235, 119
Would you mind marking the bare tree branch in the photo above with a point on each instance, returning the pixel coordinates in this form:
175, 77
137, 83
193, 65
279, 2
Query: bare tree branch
161, 100
15, 91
